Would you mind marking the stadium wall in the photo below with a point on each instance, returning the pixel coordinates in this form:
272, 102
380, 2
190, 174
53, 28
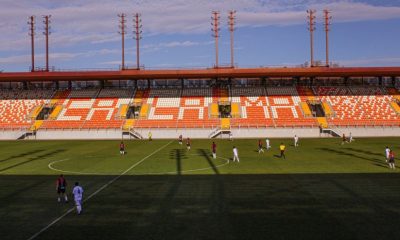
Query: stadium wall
202, 133
11, 134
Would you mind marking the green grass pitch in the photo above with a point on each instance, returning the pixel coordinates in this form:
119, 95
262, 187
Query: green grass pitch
159, 190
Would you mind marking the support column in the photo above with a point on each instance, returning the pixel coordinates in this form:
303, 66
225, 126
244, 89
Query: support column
346, 81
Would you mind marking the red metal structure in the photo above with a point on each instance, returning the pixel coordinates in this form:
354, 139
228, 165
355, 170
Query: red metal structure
137, 26
31, 24
311, 28
327, 22
215, 33
231, 24
122, 26
210, 73
46, 32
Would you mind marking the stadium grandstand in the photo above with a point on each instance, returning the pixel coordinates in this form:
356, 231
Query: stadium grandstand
202, 103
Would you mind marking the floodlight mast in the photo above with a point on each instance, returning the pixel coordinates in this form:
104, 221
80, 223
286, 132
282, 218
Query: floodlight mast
327, 18
122, 25
31, 24
311, 28
47, 32
231, 24
137, 35
215, 33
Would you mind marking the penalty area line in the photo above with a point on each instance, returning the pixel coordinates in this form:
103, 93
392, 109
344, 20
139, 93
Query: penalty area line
97, 191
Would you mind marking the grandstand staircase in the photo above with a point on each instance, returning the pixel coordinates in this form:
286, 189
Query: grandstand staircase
323, 123
224, 128
31, 131
127, 129
214, 110
138, 101
395, 103
35, 112
333, 131
122, 111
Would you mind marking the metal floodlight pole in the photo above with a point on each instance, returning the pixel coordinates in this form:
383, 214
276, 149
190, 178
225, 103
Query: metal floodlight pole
215, 33
31, 24
311, 28
327, 23
137, 26
46, 32
231, 24
122, 26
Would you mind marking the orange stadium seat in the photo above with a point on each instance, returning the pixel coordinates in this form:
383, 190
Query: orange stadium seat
15, 106
359, 105
192, 107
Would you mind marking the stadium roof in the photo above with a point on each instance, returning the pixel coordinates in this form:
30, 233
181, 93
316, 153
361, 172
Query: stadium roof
202, 73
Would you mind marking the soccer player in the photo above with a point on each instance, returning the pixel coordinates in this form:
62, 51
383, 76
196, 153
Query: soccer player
296, 141
122, 148
150, 136
61, 185
235, 154
267, 146
180, 139
282, 147
260, 146
391, 160
188, 144
214, 150
350, 138
343, 139
78, 195
387, 152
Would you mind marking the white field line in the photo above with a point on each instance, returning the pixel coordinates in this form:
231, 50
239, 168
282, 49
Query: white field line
150, 173
50, 165
97, 191
190, 170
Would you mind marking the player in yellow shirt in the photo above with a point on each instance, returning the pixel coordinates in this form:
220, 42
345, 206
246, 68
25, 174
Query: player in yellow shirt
282, 147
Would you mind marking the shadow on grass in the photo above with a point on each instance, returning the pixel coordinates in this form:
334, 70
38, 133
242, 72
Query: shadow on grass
365, 152
32, 159
219, 207
376, 161
22, 155
237, 206
204, 153
177, 155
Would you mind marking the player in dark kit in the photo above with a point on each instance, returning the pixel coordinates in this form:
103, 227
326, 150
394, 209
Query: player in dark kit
61, 185
344, 140
180, 139
391, 160
260, 146
214, 150
188, 143
122, 148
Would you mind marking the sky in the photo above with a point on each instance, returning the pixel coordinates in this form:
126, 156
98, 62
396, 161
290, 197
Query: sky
177, 33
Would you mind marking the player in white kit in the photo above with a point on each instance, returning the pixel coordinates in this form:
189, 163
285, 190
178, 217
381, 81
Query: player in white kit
296, 141
267, 145
78, 195
387, 152
235, 154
